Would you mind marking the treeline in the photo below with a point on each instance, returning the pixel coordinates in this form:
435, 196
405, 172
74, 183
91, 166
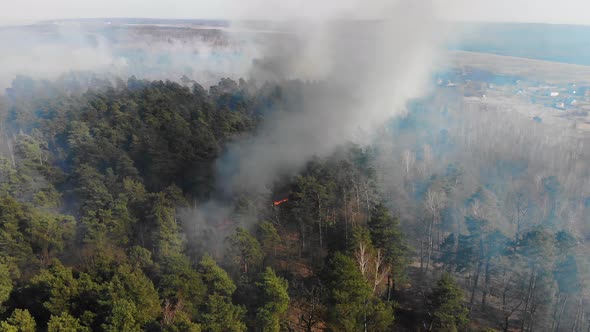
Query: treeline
97, 233
112, 219
499, 201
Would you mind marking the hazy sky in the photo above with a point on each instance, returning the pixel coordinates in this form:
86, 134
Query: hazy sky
551, 11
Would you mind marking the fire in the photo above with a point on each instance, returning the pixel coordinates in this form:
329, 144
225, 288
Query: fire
279, 202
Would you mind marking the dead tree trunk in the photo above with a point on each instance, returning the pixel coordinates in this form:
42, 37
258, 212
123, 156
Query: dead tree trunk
528, 298
421, 254
474, 288
561, 313
429, 248
578, 314
345, 217
486, 284
320, 221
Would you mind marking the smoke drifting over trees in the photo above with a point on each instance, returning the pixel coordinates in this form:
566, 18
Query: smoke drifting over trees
290, 175
368, 72
112, 48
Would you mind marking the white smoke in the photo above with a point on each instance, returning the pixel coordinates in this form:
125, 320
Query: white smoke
46, 52
370, 70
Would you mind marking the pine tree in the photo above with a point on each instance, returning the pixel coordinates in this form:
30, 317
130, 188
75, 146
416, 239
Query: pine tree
386, 235
122, 317
219, 313
352, 305
274, 301
133, 286
244, 251
449, 313
19, 321
65, 323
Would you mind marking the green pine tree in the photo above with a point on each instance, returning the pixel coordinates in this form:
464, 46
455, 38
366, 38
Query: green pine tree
449, 312
274, 301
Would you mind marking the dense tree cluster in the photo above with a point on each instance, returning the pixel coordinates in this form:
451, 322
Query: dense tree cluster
96, 194
106, 220
500, 202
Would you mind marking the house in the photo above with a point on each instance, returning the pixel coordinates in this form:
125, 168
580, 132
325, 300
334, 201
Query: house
571, 101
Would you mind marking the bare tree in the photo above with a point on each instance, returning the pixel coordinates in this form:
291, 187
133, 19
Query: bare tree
435, 202
372, 265
310, 304
380, 270
362, 256
409, 159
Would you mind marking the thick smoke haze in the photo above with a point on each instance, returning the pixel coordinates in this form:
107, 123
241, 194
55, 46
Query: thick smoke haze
367, 72
359, 74
48, 51
49, 54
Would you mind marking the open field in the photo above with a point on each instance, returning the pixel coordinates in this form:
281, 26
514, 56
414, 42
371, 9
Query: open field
544, 71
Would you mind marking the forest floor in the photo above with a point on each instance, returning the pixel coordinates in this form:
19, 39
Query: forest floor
412, 312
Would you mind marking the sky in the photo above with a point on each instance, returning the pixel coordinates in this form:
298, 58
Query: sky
542, 11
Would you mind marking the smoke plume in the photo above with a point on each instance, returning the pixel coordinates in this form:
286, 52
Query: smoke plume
47, 51
366, 71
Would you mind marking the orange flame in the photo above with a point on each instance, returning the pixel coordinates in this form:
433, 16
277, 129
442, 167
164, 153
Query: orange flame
276, 203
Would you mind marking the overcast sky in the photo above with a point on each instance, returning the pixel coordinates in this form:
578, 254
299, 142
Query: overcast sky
546, 11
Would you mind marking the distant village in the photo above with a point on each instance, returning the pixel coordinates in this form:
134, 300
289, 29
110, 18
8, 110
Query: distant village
570, 100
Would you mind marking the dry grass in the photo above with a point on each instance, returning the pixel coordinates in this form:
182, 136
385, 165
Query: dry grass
546, 71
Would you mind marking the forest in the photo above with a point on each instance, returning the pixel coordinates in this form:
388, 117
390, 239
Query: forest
112, 217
